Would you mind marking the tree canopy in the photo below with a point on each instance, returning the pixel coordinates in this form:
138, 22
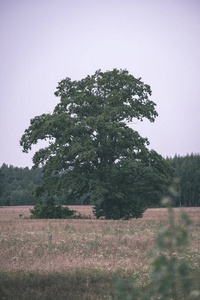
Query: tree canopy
93, 153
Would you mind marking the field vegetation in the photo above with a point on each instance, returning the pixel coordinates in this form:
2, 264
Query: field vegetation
81, 258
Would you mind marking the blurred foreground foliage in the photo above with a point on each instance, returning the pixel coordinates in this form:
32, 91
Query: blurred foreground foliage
170, 277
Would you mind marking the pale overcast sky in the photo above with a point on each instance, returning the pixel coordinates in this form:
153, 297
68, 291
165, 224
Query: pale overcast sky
45, 41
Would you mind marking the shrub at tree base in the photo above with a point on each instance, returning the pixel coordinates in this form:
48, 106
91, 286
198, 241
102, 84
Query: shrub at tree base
49, 210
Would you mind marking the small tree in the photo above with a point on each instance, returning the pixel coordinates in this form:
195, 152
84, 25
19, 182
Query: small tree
92, 151
49, 210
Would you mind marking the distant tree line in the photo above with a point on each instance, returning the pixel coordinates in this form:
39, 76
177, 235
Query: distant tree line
187, 171
17, 185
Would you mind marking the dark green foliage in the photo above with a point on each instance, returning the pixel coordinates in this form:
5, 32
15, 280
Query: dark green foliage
139, 186
18, 185
1, 183
92, 151
187, 170
49, 210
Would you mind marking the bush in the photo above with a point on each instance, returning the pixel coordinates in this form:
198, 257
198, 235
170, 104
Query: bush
48, 210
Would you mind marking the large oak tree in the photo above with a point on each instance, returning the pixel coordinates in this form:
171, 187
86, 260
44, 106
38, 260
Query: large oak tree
93, 153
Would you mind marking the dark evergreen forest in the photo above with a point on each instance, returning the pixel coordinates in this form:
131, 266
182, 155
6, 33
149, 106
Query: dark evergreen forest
17, 185
187, 170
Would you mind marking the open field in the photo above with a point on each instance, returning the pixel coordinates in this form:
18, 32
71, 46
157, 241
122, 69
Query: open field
84, 254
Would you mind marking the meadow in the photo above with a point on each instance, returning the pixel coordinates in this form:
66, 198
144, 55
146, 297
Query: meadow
80, 258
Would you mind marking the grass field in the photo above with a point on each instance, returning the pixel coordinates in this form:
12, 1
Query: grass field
80, 258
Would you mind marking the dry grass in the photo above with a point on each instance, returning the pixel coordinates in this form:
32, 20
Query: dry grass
45, 246
78, 259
